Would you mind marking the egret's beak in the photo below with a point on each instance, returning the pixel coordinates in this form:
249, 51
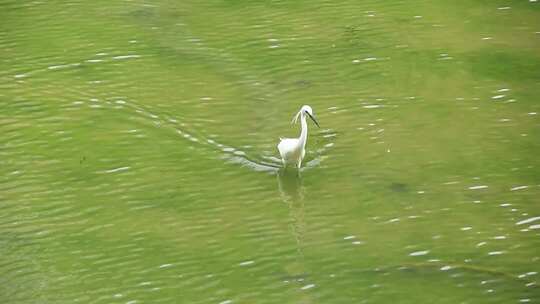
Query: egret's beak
313, 118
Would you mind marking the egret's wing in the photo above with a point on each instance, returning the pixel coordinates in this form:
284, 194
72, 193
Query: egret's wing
287, 140
287, 144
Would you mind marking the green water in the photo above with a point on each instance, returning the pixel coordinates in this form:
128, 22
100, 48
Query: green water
138, 159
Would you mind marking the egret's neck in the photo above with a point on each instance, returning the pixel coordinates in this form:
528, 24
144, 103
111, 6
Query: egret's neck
303, 133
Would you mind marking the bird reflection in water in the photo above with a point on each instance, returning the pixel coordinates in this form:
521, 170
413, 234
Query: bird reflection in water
292, 194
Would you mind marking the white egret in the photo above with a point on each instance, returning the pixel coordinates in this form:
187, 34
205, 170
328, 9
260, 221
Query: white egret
292, 150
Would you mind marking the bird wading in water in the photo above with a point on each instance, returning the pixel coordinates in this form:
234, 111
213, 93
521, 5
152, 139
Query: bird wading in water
293, 150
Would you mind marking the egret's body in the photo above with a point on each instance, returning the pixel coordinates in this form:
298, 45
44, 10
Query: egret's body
293, 150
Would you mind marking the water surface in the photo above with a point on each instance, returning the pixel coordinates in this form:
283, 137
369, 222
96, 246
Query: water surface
139, 165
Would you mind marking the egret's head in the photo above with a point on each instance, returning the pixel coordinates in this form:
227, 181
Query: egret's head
306, 110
